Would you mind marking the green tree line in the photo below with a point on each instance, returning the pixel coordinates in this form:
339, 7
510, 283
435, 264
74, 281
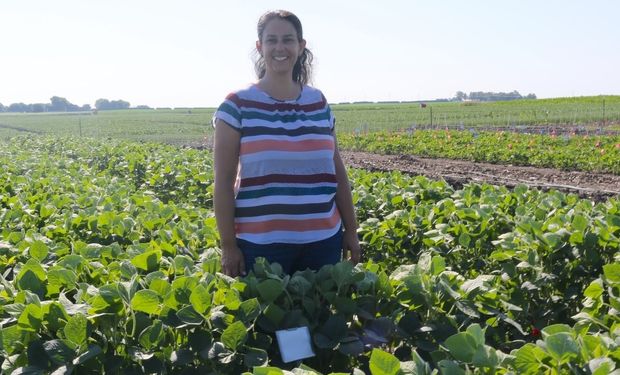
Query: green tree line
59, 104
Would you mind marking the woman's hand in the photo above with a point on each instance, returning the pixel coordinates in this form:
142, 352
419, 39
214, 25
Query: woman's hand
233, 264
351, 246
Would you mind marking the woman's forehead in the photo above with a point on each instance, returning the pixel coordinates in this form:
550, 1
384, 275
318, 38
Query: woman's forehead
279, 26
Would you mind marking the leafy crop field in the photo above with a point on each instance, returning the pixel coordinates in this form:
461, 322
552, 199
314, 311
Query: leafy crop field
109, 264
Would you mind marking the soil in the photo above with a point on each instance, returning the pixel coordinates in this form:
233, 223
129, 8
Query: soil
595, 186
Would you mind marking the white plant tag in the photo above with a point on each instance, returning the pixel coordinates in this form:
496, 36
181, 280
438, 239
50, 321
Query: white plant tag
294, 344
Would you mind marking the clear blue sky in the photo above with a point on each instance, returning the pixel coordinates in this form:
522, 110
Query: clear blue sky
192, 53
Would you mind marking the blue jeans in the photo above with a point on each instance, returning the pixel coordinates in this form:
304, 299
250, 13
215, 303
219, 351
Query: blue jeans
294, 257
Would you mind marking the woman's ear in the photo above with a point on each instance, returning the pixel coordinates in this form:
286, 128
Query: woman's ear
302, 46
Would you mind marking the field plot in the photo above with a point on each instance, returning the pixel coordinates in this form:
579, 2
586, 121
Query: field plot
109, 263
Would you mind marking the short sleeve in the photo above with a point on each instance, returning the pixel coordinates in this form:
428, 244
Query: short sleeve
229, 112
332, 118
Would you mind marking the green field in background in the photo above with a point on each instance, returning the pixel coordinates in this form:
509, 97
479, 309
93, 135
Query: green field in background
193, 125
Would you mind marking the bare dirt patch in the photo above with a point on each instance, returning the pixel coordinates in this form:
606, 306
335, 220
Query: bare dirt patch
595, 186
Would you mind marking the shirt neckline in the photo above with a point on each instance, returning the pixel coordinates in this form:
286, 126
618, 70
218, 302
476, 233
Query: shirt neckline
255, 86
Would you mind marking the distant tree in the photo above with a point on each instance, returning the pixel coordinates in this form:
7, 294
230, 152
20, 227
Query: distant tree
530, 96
460, 96
59, 104
18, 107
85, 107
119, 104
2, 108
102, 104
39, 107
143, 107
105, 104
494, 96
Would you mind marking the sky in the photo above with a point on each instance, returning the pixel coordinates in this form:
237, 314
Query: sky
192, 53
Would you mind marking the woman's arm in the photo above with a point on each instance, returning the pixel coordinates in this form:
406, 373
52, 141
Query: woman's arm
226, 160
344, 201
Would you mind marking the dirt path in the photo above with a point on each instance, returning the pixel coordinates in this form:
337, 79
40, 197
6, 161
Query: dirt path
595, 186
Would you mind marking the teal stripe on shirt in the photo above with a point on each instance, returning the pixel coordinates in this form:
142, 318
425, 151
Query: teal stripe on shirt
227, 108
286, 191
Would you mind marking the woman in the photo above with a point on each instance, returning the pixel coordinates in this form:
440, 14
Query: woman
281, 189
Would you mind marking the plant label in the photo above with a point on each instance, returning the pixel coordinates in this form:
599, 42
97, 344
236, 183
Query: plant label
294, 344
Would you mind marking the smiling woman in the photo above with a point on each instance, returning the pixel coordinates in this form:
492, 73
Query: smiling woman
281, 189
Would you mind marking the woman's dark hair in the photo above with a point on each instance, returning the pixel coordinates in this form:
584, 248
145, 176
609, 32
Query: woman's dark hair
302, 71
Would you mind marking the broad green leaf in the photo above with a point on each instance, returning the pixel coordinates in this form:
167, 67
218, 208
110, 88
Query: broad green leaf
477, 333
464, 240
580, 223
556, 328
485, 356
10, 339
341, 272
274, 313
345, 305
601, 366
150, 336
30, 319
92, 352
59, 352
530, 359
146, 300
189, 316
234, 335
269, 290
32, 277
200, 299
250, 310
255, 357
383, 363
76, 329
462, 346
38, 250
162, 287
438, 264
595, 289
59, 277
147, 261
335, 327
448, 367
562, 346
351, 346
55, 316
612, 272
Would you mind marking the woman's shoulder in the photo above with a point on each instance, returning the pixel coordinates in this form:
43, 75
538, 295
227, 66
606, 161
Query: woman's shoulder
246, 92
312, 94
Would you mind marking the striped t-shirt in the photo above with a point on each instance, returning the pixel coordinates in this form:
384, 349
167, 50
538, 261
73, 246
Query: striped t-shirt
286, 182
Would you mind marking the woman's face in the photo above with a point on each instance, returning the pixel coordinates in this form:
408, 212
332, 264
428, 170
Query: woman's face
280, 47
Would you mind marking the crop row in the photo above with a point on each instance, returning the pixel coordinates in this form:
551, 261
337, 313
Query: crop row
109, 263
584, 153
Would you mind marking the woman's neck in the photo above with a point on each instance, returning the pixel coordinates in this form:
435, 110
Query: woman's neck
280, 88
